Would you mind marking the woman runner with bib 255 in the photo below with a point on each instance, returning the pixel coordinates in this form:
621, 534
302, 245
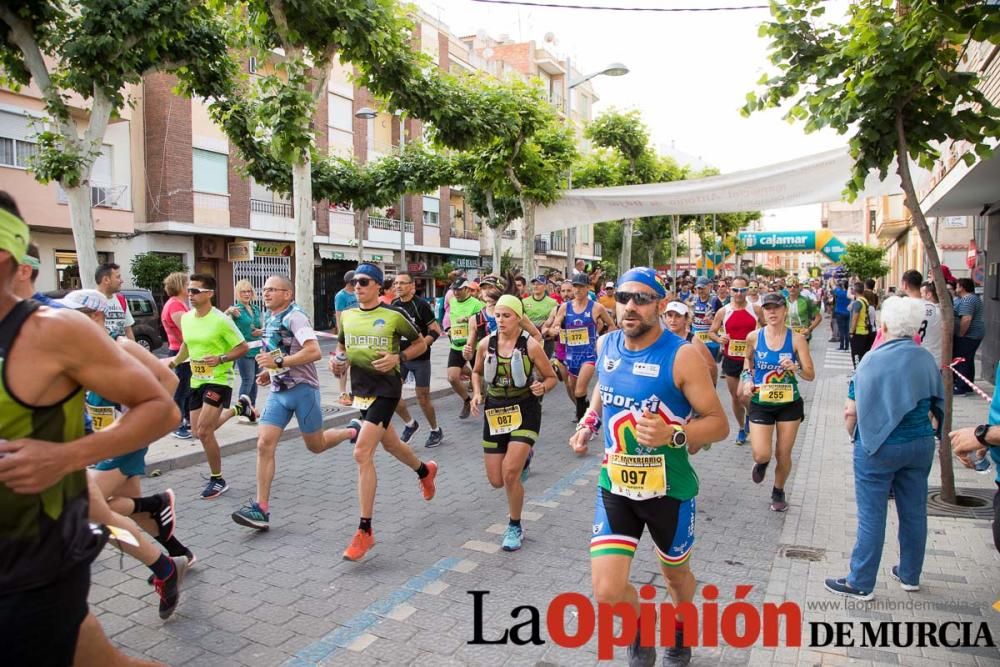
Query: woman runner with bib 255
505, 360
774, 356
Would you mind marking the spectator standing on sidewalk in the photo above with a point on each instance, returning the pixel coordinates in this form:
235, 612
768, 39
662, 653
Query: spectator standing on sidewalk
841, 315
250, 321
176, 285
969, 330
895, 389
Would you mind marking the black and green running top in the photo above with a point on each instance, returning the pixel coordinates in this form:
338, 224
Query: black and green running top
367, 335
42, 535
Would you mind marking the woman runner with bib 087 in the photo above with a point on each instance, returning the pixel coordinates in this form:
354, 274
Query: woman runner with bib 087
775, 355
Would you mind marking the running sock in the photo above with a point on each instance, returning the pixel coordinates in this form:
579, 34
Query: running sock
581, 406
516, 523
776, 491
216, 475
412, 424
151, 504
366, 525
162, 568
422, 471
174, 546
264, 506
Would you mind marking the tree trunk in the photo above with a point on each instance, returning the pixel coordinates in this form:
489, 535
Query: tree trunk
81, 217
528, 240
650, 252
304, 262
497, 247
625, 263
947, 308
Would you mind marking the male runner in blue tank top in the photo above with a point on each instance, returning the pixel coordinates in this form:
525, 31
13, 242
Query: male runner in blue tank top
577, 319
651, 383
704, 306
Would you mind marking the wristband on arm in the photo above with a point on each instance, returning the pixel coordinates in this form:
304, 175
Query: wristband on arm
591, 421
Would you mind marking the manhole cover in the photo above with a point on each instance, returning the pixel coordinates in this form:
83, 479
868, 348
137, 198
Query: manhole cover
969, 503
798, 552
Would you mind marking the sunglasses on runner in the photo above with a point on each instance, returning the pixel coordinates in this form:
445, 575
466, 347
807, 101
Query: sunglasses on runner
738, 290
199, 290
640, 298
361, 282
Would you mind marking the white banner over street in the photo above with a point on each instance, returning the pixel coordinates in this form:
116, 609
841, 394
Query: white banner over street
812, 179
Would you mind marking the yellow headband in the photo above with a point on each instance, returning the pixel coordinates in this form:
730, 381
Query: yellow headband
13, 235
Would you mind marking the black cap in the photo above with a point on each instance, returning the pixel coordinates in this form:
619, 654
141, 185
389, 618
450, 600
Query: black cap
581, 279
772, 299
461, 283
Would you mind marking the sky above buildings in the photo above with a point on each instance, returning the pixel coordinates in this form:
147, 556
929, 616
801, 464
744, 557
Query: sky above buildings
689, 73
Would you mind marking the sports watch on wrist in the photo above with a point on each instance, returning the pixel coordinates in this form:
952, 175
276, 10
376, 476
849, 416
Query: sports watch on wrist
279, 362
981, 432
679, 438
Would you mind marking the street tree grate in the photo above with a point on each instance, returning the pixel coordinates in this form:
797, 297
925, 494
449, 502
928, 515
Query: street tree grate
799, 552
969, 503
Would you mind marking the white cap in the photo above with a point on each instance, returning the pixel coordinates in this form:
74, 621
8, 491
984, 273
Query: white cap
678, 307
89, 299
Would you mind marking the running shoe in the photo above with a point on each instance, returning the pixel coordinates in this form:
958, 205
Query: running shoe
360, 544
677, 655
183, 432
252, 516
466, 409
408, 431
741, 438
435, 438
427, 483
346, 400
527, 465
758, 472
191, 559
512, 538
909, 588
216, 487
356, 425
166, 517
640, 656
841, 587
246, 408
778, 503
169, 589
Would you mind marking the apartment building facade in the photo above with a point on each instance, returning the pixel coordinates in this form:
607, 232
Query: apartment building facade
169, 181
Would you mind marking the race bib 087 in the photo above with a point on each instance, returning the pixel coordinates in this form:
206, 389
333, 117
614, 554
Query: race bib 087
504, 420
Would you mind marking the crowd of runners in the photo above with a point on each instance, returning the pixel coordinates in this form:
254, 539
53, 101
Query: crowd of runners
639, 358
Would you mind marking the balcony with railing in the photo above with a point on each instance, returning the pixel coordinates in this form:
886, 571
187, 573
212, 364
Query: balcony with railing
509, 234
465, 239
557, 243
278, 209
103, 195
541, 244
386, 230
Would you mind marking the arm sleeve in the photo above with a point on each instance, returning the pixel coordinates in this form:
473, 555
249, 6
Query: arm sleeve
301, 328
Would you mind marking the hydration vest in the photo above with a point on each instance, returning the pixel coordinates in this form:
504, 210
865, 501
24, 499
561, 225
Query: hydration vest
519, 377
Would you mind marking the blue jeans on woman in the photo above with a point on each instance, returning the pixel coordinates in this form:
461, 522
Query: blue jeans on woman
247, 367
904, 468
183, 390
843, 324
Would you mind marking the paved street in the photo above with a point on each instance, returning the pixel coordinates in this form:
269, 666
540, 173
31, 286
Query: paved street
285, 596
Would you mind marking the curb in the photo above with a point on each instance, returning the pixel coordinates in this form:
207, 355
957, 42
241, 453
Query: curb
248, 444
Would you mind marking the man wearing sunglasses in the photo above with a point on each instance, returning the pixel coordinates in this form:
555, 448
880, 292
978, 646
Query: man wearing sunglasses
803, 313
422, 315
651, 384
212, 342
371, 338
729, 330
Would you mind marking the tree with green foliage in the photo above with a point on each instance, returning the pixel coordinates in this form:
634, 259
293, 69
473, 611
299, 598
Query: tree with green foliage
94, 49
890, 76
864, 261
150, 268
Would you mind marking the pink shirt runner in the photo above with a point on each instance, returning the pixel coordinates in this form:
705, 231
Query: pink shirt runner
174, 336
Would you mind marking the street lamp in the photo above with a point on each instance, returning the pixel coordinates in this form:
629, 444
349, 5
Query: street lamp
367, 113
613, 69
364, 113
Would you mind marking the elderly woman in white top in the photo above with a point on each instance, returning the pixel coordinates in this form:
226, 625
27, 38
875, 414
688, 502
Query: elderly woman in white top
891, 397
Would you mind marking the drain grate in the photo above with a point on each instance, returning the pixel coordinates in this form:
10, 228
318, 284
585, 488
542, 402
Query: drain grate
969, 503
799, 552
